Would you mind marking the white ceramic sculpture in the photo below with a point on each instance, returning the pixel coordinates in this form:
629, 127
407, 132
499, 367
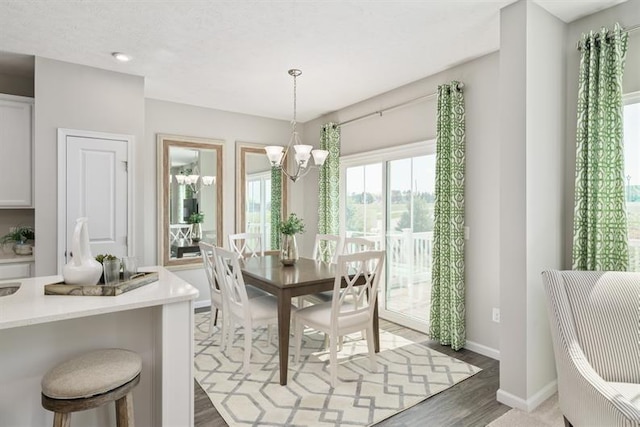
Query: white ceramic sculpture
82, 269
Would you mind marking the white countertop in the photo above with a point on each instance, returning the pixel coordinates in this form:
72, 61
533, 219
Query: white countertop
30, 306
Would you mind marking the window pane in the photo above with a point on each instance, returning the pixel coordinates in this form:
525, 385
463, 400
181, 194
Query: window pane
632, 178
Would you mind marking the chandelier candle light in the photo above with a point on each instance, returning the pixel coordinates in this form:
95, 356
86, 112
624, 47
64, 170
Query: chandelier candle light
277, 153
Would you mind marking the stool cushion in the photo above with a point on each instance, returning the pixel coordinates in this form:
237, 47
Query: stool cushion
91, 373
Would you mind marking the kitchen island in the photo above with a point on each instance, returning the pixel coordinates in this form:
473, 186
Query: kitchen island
38, 331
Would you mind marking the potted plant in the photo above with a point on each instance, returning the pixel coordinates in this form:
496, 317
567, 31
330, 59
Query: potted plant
289, 228
19, 236
196, 218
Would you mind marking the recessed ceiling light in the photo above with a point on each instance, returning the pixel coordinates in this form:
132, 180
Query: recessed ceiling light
122, 57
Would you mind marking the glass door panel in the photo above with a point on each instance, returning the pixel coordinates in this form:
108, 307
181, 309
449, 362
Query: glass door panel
409, 231
364, 202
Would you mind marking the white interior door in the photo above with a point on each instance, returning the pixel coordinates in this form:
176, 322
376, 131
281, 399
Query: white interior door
94, 169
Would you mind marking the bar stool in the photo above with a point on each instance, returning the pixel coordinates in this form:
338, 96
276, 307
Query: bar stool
91, 380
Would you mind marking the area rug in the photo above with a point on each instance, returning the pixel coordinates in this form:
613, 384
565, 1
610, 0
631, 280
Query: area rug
408, 373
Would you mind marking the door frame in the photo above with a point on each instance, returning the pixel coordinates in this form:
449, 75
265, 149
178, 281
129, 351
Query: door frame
63, 135
384, 155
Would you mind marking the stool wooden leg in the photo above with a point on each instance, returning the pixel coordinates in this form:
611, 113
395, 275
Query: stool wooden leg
62, 419
124, 411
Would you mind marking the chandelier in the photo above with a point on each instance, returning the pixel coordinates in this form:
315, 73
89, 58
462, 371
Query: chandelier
192, 179
277, 154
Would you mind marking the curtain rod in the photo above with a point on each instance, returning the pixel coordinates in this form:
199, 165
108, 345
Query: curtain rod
402, 104
628, 30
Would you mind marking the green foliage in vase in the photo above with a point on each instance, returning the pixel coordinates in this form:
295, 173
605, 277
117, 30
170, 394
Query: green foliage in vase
100, 258
292, 225
196, 218
20, 233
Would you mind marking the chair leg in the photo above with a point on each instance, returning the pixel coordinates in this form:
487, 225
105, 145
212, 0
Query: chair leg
371, 347
248, 332
62, 419
230, 334
124, 411
223, 330
212, 322
333, 359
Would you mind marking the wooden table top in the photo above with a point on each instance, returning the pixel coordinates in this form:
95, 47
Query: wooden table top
304, 272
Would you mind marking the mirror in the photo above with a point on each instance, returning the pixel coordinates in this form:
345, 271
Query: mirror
253, 192
190, 197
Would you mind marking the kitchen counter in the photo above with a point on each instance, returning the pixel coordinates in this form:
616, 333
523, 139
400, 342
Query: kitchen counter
38, 331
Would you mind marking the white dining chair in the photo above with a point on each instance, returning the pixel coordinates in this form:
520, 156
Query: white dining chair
246, 244
351, 308
215, 291
242, 310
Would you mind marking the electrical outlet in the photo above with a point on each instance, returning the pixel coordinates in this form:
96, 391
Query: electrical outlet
496, 315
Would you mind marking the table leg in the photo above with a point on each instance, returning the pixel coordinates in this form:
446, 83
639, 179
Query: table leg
284, 320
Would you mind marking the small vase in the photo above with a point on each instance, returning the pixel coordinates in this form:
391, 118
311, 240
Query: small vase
22, 248
289, 252
196, 232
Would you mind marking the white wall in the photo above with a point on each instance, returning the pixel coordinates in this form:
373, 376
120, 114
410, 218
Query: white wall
85, 98
627, 14
415, 123
186, 120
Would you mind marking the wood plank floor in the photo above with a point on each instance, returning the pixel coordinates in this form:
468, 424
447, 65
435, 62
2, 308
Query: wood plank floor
471, 402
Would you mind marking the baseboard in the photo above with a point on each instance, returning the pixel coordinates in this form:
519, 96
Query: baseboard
483, 350
202, 303
530, 404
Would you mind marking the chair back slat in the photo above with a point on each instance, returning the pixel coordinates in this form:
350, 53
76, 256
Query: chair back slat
327, 247
354, 245
180, 231
356, 285
246, 245
210, 269
230, 277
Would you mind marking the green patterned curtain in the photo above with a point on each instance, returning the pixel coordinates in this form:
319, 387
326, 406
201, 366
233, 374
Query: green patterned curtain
447, 293
329, 181
276, 206
600, 220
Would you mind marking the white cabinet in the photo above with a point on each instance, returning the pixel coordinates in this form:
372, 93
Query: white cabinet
16, 148
16, 270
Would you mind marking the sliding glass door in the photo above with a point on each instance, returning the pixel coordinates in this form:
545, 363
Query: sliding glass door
388, 197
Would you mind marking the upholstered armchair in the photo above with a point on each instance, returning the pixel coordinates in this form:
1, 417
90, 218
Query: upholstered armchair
595, 325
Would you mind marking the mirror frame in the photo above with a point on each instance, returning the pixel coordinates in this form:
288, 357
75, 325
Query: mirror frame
242, 149
164, 142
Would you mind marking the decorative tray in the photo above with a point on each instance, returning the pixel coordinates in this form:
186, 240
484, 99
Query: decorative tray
138, 280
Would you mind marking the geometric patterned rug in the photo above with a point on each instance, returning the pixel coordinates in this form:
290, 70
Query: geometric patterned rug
408, 373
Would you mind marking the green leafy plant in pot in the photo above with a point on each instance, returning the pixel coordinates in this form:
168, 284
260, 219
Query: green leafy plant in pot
20, 236
289, 228
196, 219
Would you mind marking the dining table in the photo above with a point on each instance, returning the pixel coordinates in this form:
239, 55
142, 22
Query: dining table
305, 277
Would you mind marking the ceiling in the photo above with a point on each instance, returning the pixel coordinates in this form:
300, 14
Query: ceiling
234, 55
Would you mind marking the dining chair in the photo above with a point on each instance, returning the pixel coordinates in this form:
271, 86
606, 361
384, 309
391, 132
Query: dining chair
215, 291
246, 244
242, 310
351, 308
180, 231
